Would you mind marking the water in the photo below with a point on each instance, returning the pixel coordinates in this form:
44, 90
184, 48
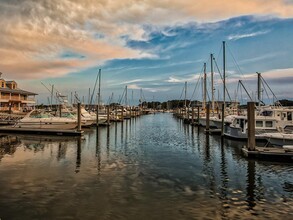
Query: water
152, 167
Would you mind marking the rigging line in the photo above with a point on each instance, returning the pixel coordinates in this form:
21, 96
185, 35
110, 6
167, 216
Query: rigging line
180, 97
222, 80
269, 88
98, 76
121, 97
237, 89
233, 58
201, 72
265, 90
220, 52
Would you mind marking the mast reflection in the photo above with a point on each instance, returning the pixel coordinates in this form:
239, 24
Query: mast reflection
78, 155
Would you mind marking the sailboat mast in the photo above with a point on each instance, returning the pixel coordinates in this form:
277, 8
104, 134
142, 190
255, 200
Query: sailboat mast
126, 96
259, 88
204, 85
212, 82
99, 89
89, 97
185, 96
224, 88
52, 92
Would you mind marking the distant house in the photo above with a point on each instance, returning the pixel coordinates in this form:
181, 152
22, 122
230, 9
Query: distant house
11, 97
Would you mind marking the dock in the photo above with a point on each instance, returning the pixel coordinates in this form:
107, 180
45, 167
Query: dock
11, 130
269, 153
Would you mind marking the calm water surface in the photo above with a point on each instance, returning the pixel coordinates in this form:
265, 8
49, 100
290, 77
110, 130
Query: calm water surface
152, 167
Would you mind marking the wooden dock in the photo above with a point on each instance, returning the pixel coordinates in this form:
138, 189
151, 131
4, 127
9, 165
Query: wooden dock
12, 130
269, 153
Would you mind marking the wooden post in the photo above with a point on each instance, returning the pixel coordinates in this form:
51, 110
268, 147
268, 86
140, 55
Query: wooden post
251, 126
108, 114
192, 116
208, 117
78, 117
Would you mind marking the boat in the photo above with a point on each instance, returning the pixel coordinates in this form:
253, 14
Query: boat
238, 128
37, 119
279, 139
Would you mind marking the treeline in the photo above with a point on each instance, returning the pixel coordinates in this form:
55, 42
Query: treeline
171, 104
285, 102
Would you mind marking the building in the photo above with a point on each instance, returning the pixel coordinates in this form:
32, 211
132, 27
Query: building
14, 99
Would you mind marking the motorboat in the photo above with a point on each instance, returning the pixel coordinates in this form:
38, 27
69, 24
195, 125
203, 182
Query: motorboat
36, 119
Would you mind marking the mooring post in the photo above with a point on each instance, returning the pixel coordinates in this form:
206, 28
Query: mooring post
78, 116
208, 117
251, 126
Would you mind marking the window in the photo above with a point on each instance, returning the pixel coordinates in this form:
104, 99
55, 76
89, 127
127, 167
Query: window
269, 124
289, 116
258, 124
2, 84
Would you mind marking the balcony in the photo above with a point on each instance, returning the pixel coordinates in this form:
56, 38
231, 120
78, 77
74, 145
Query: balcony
17, 99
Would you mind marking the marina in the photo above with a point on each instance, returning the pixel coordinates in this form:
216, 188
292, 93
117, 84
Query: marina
131, 170
121, 110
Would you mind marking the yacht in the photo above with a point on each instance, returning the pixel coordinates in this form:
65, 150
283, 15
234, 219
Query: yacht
41, 120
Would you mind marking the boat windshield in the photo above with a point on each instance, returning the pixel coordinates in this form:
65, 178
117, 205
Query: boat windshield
40, 115
266, 113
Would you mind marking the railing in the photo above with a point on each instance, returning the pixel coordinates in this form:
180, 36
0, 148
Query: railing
16, 98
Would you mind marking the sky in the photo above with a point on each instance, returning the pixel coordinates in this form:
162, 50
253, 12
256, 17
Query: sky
149, 45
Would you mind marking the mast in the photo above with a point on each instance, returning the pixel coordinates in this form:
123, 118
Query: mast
185, 95
99, 89
126, 96
204, 85
258, 88
52, 92
224, 87
212, 82
88, 100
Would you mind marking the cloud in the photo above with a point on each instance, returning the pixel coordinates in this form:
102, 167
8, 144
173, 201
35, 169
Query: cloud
35, 33
240, 36
190, 78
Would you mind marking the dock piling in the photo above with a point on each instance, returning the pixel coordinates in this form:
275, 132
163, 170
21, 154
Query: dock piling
208, 117
78, 116
251, 126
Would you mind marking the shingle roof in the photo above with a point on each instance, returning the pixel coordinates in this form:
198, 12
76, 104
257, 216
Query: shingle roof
17, 91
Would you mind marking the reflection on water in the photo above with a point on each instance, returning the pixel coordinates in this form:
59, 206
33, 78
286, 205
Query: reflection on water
152, 167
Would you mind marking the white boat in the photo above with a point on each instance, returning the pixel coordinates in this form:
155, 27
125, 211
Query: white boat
203, 121
217, 122
279, 139
238, 128
41, 120
267, 120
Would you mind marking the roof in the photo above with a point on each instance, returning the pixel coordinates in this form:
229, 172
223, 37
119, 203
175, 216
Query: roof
17, 91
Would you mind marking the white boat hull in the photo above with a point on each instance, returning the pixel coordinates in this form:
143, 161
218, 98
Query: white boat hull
279, 139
